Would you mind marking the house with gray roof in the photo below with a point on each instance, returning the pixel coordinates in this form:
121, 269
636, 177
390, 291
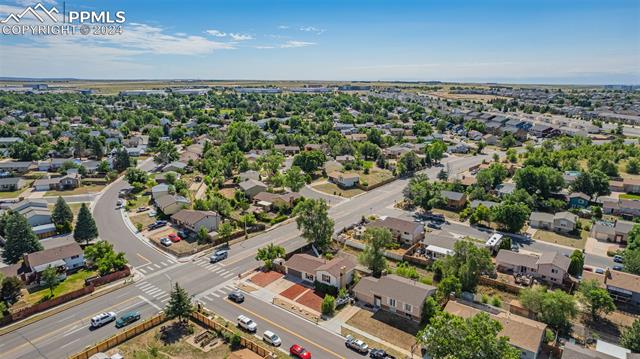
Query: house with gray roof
10, 184
617, 231
550, 267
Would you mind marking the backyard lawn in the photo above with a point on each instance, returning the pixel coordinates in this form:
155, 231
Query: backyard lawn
564, 240
73, 282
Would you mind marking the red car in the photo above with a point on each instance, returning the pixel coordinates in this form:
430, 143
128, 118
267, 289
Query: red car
299, 352
174, 237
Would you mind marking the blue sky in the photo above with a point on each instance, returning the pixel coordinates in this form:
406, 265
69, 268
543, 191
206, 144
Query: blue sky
548, 41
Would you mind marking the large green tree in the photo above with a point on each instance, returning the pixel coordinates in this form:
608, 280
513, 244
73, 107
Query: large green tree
86, 228
19, 238
467, 263
554, 308
309, 161
539, 180
166, 152
295, 179
49, 278
577, 263
179, 305
423, 193
511, 216
62, 216
594, 183
448, 336
314, 221
595, 298
377, 240
270, 253
630, 338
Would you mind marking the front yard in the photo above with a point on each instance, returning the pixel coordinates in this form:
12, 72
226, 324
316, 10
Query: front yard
73, 282
561, 239
80, 190
388, 326
332, 188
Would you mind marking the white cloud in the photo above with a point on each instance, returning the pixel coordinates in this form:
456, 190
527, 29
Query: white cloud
264, 47
294, 43
33, 2
316, 30
240, 37
283, 27
216, 33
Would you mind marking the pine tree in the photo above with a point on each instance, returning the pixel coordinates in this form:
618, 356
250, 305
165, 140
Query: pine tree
19, 238
86, 228
180, 304
62, 216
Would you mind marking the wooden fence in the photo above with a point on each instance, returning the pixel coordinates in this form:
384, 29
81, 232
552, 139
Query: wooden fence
508, 287
120, 337
28, 311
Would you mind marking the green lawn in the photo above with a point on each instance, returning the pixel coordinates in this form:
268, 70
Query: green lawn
629, 196
561, 239
13, 194
73, 282
332, 188
80, 190
140, 201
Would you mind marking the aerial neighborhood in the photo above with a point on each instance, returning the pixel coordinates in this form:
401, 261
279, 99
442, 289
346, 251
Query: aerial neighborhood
388, 216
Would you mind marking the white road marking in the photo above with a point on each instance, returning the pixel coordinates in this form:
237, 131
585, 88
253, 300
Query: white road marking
215, 295
157, 266
154, 291
150, 303
228, 275
74, 329
142, 285
164, 264
163, 296
142, 270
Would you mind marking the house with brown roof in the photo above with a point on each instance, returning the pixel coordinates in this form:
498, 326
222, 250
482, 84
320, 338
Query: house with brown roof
395, 294
551, 267
170, 204
194, 220
623, 287
345, 180
252, 187
617, 231
455, 200
560, 222
267, 200
66, 258
337, 272
631, 185
525, 334
407, 232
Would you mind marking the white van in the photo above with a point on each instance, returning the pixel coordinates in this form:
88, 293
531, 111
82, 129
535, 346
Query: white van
271, 338
102, 319
247, 324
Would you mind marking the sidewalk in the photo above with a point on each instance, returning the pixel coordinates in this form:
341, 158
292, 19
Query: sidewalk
376, 339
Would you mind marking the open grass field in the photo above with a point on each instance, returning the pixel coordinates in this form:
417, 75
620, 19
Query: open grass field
14, 194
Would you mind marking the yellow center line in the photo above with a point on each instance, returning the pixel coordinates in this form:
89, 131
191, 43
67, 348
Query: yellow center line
285, 329
79, 321
144, 258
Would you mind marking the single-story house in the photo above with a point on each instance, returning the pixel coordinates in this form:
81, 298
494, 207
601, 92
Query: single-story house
455, 200
16, 166
344, 179
407, 232
337, 272
559, 222
252, 187
174, 166
525, 334
578, 200
66, 182
621, 207
393, 293
11, 184
267, 200
631, 185
65, 258
613, 232
171, 203
551, 267
159, 190
249, 175
194, 220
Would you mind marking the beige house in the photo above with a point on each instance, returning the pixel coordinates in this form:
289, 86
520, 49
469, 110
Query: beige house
172, 204
395, 294
551, 267
560, 222
252, 187
337, 272
345, 180
612, 232
407, 232
194, 220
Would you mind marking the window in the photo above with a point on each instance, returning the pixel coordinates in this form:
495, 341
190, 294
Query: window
392, 302
74, 257
407, 308
308, 276
326, 278
554, 270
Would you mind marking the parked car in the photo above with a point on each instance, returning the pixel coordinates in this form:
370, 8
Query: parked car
380, 354
434, 225
618, 259
515, 248
219, 255
356, 344
299, 352
165, 241
618, 267
599, 270
142, 209
119, 204
174, 237
236, 296
340, 301
271, 338
183, 234
247, 324
157, 224
127, 319
102, 319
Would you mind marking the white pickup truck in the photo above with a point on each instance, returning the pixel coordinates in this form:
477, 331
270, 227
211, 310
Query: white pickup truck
247, 324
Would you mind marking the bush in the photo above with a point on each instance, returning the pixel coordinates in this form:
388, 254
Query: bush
234, 341
496, 301
485, 298
279, 219
328, 305
325, 288
405, 270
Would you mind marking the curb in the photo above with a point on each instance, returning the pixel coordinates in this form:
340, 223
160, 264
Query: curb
63, 307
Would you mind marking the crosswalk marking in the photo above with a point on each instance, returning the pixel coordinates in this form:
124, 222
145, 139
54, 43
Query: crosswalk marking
157, 266
228, 275
144, 285
163, 264
164, 295
215, 295
153, 291
142, 270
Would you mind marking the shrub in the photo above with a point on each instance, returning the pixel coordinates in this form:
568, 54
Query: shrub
328, 305
325, 288
405, 270
496, 301
485, 298
234, 341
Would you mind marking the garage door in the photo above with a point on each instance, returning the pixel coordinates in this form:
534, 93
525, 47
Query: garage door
294, 273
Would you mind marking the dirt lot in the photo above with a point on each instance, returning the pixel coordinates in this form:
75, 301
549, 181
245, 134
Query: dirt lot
394, 329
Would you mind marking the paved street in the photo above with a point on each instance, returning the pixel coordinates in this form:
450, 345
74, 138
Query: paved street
68, 332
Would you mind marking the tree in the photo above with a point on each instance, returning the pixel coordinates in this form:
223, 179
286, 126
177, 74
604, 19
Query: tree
122, 161
451, 336
369, 150
62, 216
490, 178
295, 179
511, 216
136, 175
377, 240
166, 152
270, 253
633, 166
102, 256
552, 307
450, 284
630, 338
577, 263
594, 183
203, 235
309, 161
423, 193
467, 263
328, 306
314, 221
19, 238
430, 308
633, 238
10, 289
408, 163
539, 180
248, 220
508, 141
595, 298
443, 175
179, 305
225, 230
49, 277
632, 261
86, 228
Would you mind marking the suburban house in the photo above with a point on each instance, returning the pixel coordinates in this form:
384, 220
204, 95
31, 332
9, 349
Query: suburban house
65, 258
66, 182
393, 293
551, 267
623, 286
171, 204
337, 272
525, 334
16, 166
621, 207
455, 200
267, 200
631, 185
578, 200
194, 220
407, 232
11, 184
252, 187
559, 222
617, 231
175, 166
249, 175
345, 180
159, 190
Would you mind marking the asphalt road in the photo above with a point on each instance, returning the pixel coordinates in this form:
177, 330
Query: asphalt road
67, 332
